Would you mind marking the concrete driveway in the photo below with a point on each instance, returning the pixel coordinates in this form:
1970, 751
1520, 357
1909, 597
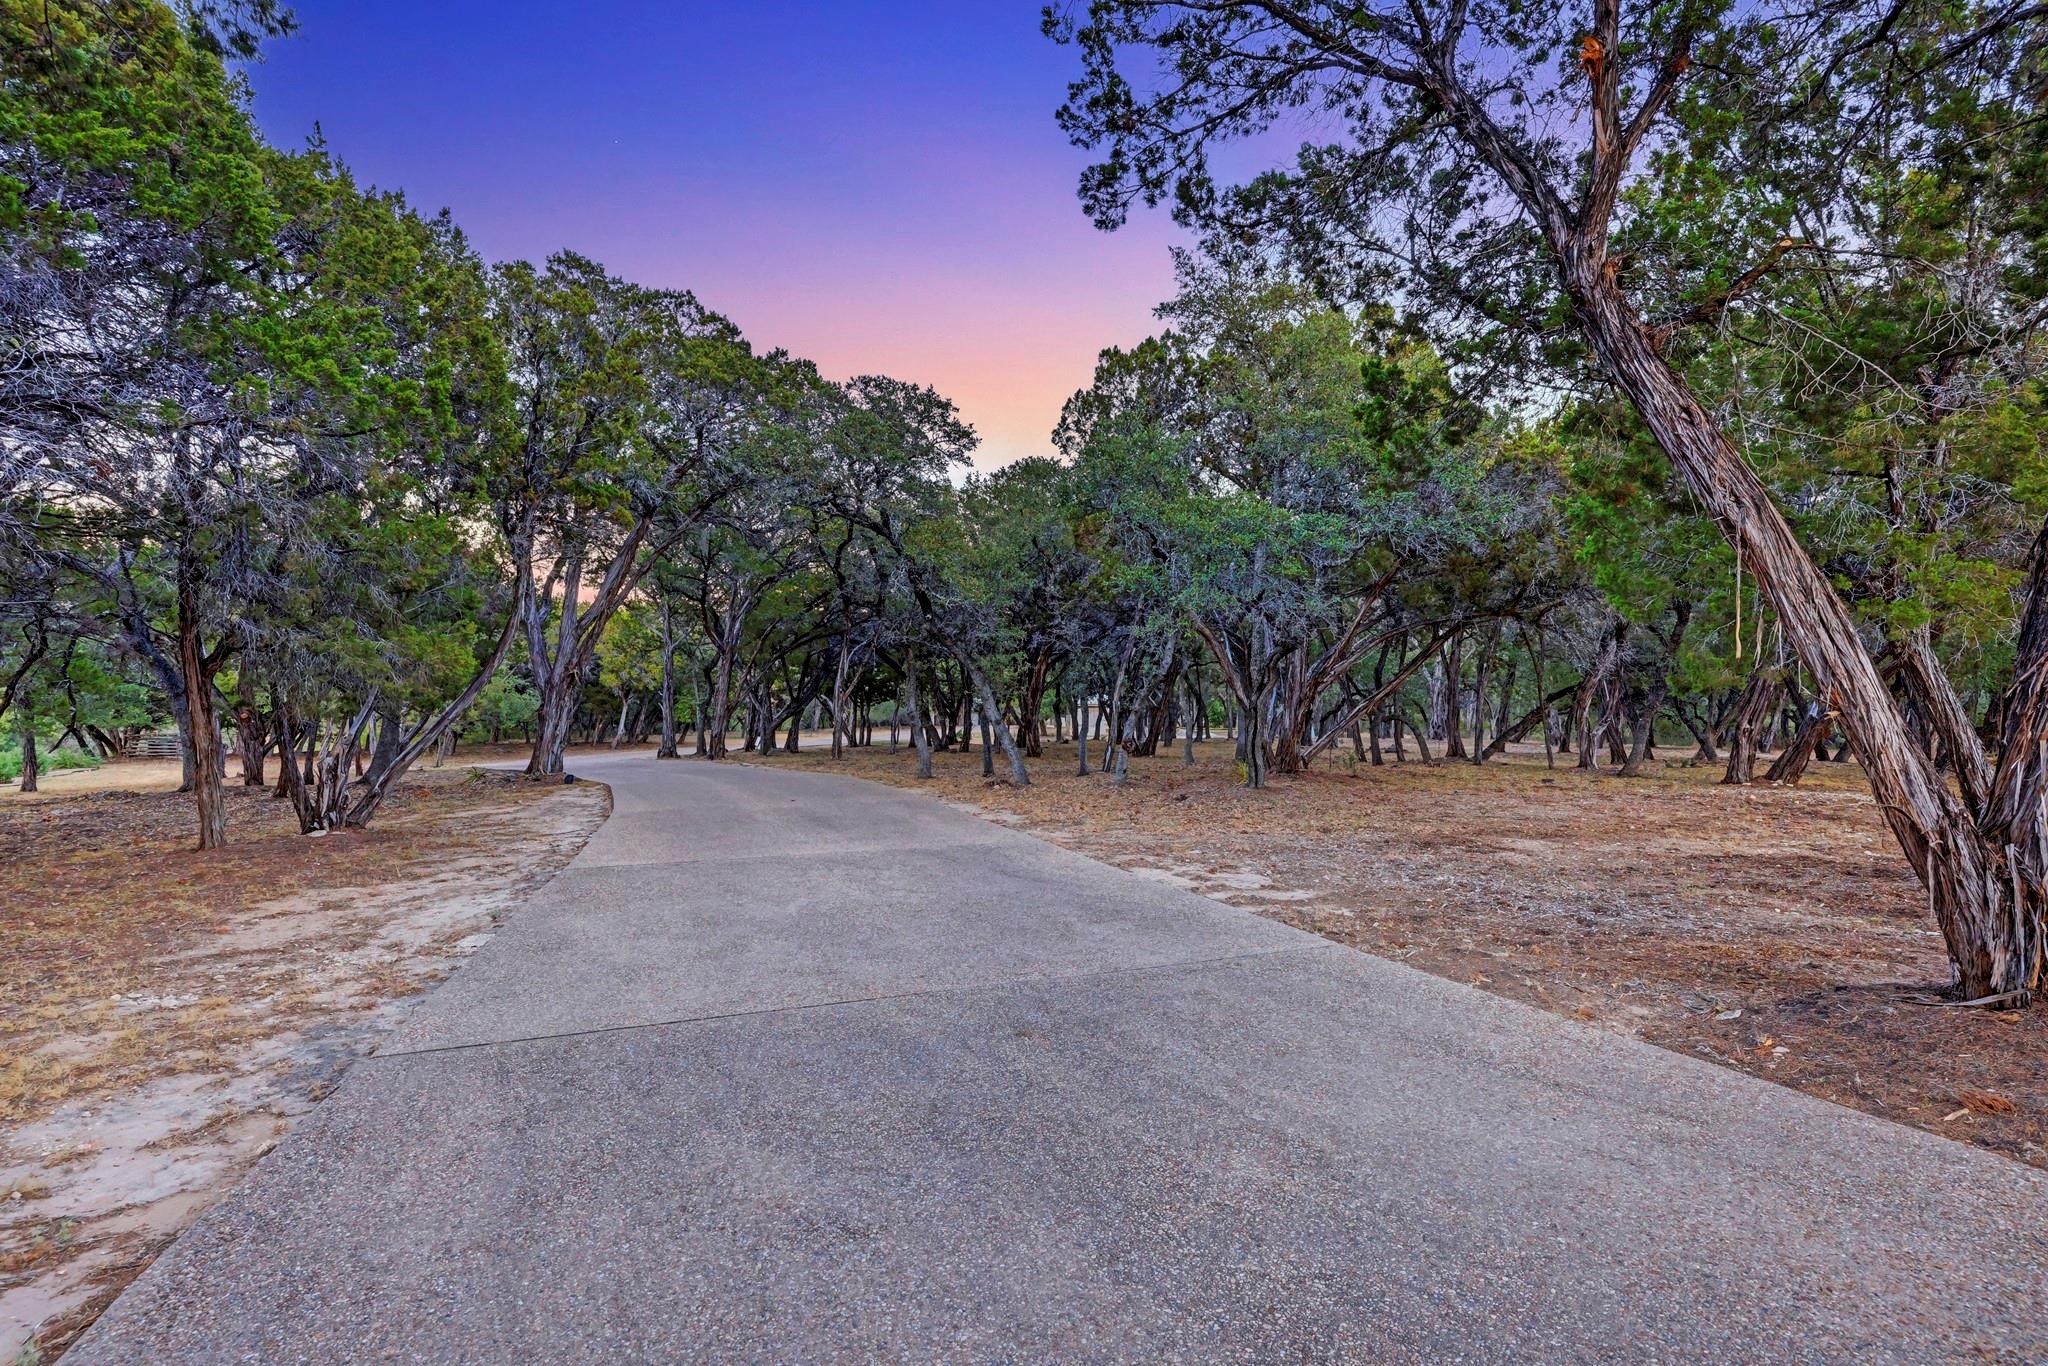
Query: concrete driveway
789, 1067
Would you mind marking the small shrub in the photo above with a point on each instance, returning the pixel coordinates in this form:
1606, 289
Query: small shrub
49, 760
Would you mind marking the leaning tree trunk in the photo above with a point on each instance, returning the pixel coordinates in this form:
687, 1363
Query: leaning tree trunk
1508, 732
994, 713
1935, 697
1989, 913
1790, 766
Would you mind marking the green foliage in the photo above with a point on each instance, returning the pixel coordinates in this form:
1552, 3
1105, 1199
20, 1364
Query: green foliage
47, 760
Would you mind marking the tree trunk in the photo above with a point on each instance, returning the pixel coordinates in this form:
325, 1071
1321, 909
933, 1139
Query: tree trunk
1030, 729
2015, 819
1454, 741
994, 713
553, 725
199, 721
250, 739
1420, 734
1760, 696
918, 731
1506, 733
1645, 729
721, 704
1927, 683
1480, 678
697, 713
667, 748
1990, 933
1812, 733
1596, 676
839, 726
31, 768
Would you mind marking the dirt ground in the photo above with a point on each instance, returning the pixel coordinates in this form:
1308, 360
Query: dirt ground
1774, 931
165, 1015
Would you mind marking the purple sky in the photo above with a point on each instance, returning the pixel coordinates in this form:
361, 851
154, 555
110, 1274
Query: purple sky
879, 187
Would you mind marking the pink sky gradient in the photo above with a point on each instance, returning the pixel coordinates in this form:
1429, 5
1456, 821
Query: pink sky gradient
879, 187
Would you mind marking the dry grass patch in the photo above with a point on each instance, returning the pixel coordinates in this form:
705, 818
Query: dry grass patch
165, 1014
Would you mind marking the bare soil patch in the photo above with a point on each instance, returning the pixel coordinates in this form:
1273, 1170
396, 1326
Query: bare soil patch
1776, 931
165, 1015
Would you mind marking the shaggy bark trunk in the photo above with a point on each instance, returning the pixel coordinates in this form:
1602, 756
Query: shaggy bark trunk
1805, 743
1596, 676
389, 728
31, 767
1030, 729
1760, 696
250, 739
2015, 819
199, 721
1645, 729
918, 731
1990, 917
1928, 685
994, 713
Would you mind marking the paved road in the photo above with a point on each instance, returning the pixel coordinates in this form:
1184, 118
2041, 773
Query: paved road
788, 1067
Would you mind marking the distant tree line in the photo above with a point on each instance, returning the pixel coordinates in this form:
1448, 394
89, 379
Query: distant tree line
1629, 384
